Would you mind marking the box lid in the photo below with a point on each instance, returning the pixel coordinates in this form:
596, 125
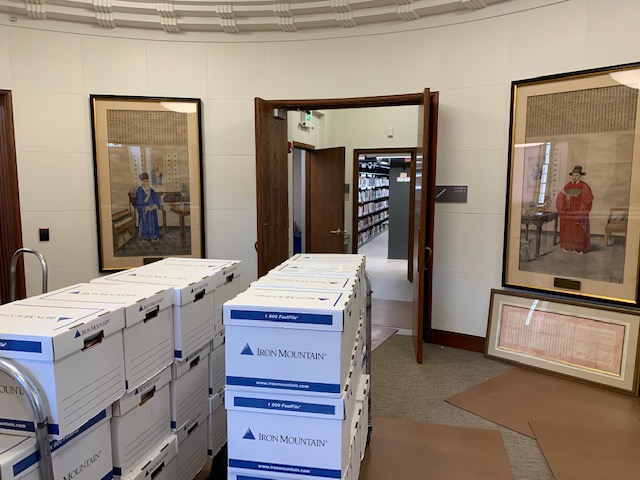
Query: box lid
303, 282
31, 329
140, 302
311, 310
187, 286
277, 404
181, 367
329, 258
223, 270
318, 269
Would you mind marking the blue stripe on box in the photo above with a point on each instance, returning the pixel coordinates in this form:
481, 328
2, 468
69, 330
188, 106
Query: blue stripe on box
284, 384
177, 353
282, 317
108, 476
12, 424
280, 468
284, 405
117, 471
244, 477
56, 444
20, 346
25, 463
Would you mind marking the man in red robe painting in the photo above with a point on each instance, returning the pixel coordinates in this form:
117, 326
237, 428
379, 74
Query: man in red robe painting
574, 204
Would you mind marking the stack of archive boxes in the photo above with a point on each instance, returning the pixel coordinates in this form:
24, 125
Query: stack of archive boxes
132, 347
295, 385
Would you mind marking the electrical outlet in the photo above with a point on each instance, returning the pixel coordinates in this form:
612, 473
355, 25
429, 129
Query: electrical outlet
44, 234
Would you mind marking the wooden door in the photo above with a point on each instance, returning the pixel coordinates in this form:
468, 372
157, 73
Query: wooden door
271, 186
424, 207
11, 230
325, 200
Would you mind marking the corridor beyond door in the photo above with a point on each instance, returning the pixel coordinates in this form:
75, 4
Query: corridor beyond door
391, 300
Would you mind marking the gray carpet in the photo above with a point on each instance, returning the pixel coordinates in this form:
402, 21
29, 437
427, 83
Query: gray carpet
402, 389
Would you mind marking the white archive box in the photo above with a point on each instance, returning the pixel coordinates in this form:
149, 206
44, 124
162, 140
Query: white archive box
73, 353
160, 464
193, 304
226, 272
289, 435
141, 419
331, 258
216, 369
192, 446
217, 436
326, 269
362, 402
83, 455
289, 341
190, 388
148, 333
315, 283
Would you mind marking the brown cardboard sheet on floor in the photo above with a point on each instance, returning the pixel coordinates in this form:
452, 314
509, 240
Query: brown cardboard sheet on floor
408, 450
584, 452
521, 395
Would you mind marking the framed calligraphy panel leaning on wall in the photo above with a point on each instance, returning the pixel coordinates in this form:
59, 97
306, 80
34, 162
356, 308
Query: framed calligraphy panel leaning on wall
591, 343
573, 190
148, 166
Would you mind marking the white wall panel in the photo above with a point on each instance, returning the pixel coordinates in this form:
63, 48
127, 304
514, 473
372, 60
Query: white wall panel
483, 171
351, 68
230, 182
231, 234
236, 71
44, 181
5, 62
45, 61
461, 302
474, 118
293, 71
409, 62
57, 278
229, 127
475, 53
177, 69
468, 243
612, 33
547, 41
51, 122
73, 237
114, 66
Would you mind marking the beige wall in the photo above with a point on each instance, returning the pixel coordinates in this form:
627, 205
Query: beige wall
471, 61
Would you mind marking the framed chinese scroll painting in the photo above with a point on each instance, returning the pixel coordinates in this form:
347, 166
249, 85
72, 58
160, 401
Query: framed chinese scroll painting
573, 192
148, 164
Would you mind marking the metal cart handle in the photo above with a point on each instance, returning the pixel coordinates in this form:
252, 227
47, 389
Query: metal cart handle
41, 424
12, 271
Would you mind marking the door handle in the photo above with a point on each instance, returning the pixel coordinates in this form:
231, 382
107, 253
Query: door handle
337, 232
427, 256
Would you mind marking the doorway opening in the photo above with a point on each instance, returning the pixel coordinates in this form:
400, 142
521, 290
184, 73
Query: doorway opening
382, 217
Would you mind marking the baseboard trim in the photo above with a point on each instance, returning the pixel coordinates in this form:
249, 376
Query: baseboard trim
455, 340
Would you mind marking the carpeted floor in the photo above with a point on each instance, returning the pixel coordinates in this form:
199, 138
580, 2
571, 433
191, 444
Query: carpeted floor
402, 389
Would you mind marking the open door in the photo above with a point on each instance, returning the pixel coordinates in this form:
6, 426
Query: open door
325, 200
271, 185
11, 226
424, 210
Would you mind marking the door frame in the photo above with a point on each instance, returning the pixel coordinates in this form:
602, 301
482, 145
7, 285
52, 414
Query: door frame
370, 102
11, 231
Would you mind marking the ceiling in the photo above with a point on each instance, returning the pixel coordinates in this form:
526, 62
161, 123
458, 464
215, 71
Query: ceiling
237, 16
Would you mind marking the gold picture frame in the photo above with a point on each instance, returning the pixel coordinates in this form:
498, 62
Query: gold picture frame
148, 179
590, 343
573, 189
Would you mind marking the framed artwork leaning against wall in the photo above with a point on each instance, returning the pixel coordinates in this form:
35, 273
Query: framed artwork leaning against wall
148, 173
573, 188
590, 343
